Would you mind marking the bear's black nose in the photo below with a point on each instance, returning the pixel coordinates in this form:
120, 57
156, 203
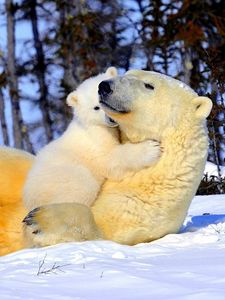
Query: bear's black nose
104, 88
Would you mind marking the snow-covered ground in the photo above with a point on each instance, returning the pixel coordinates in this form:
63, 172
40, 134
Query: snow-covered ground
189, 265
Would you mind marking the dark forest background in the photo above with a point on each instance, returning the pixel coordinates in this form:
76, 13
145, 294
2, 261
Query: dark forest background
71, 40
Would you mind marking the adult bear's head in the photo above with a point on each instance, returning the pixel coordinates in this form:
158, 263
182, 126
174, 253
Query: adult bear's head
146, 103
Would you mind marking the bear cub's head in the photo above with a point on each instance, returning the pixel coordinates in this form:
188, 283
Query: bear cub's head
85, 101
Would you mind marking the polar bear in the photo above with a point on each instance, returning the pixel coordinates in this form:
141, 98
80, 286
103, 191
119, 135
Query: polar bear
154, 201
73, 167
14, 166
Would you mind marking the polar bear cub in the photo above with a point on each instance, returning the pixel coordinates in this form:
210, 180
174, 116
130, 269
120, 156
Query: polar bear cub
72, 168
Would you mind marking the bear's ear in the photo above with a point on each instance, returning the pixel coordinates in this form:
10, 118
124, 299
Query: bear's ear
112, 71
203, 106
71, 99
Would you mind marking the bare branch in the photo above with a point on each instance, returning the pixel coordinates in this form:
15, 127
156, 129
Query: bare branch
53, 269
3, 120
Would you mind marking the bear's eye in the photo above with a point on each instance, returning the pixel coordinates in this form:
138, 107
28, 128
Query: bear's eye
96, 108
149, 86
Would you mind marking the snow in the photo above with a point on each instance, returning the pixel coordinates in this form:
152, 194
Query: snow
211, 170
188, 265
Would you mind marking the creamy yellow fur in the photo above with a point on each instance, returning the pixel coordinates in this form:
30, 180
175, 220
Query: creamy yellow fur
14, 165
62, 224
73, 167
154, 201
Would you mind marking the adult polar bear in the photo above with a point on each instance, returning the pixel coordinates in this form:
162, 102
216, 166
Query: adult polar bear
154, 201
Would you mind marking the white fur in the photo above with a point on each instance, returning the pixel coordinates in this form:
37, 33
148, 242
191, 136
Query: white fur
154, 201
73, 167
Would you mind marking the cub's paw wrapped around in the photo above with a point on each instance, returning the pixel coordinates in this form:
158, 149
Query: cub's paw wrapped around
59, 223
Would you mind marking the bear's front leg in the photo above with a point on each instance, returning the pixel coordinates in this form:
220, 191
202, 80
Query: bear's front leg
128, 158
59, 223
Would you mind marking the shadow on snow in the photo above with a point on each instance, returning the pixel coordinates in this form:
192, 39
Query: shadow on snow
194, 223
